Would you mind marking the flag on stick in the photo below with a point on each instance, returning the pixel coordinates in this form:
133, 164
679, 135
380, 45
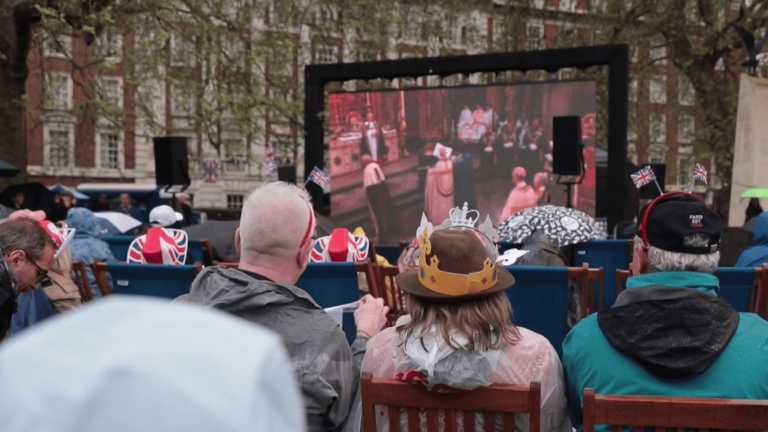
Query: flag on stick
318, 177
271, 166
700, 173
643, 177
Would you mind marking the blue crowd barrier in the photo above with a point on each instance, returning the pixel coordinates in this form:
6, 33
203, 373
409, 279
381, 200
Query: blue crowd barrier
333, 284
736, 286
119, 246
165, 281
540, 301
608, 254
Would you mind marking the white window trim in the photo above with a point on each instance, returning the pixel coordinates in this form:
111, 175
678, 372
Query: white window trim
66, 43
632, 90
528, 39
663, 136
120, 88
681, 100
662, 49
175, 112
657, 89
64, 124
188, 62
118, 45
680, 124
120, 149
68, 103
319, 46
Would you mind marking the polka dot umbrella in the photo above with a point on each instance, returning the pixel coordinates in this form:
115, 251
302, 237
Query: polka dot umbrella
564, 226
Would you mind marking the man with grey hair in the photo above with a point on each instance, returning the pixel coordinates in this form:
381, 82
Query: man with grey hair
26, 255
669, 333
276, 235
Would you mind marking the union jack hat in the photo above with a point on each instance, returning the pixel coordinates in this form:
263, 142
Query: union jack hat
60, 236
340, 246
159, 246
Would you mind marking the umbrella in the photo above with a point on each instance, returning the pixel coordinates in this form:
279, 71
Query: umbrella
755, 193
116, 223
36, 196
8, 170
58, 187
564, 226
221, 234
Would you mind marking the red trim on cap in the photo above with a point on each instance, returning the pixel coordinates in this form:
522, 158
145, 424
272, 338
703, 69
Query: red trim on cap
308, 232
652, 204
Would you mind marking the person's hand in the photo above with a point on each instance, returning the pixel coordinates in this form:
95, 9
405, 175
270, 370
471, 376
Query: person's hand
370, 316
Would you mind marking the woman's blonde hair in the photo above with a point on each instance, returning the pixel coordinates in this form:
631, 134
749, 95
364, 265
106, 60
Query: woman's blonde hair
486, 321
63, 263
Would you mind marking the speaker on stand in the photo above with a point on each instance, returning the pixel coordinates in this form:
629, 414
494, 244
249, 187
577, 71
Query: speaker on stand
567, 152
287, 174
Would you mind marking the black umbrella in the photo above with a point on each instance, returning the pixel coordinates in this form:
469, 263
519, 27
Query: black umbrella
8, 170
36, 196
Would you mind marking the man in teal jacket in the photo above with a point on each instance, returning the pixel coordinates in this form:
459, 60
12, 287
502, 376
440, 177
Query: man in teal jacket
669, 333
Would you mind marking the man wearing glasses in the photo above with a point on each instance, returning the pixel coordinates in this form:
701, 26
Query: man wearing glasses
27, 253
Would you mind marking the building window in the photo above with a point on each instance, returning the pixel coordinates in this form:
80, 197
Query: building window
451, 32
326, 54
684, 169
633, 90
111, 91
413, 28
280, 13
535, 35
686, 95
235, 201
658, 128
181, 104
324, 17
110, 150
57, 91
282, 59
58, 40
658, 89
182, 50
235, 157
110, 43
658, 50
686, 127
58, 148
369, 54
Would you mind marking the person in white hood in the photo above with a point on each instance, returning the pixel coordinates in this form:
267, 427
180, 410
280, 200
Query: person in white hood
132, 364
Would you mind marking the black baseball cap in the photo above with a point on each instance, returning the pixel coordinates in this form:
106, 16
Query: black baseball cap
668, 219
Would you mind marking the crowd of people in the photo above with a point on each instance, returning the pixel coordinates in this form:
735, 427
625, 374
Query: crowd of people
668, 334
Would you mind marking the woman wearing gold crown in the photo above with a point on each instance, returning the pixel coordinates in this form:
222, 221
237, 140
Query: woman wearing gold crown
459, 334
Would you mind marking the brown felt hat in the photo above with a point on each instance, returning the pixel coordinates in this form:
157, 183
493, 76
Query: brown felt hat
454, 265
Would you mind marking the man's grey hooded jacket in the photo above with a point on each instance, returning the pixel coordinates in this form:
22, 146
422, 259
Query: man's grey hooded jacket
323, 362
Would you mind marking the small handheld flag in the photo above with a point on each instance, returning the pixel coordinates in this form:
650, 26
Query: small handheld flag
318, 177
700, 173
645, 176
271, 166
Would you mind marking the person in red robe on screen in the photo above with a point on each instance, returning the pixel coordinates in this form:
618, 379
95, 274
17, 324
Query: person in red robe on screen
438, 192
522, 196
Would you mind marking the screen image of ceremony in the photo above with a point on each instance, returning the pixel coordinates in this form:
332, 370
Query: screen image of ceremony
397, 153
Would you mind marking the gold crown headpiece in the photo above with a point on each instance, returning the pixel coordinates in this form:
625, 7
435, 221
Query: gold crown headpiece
449, 283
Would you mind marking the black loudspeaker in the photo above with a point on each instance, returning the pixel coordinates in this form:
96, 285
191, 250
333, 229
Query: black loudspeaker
650, 191
171, 161
287, 174
566, 139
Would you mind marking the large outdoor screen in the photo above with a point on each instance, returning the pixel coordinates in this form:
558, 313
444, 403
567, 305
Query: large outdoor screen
397, 153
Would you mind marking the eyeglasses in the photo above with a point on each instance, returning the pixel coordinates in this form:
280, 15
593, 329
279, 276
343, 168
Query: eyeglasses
41, 274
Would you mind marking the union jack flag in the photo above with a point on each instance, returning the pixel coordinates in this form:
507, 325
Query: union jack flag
643, 177
700, 173
357, 249
159, 246
271, 166
318, 177
211, 170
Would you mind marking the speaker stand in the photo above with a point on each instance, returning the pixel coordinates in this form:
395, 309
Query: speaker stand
572, 180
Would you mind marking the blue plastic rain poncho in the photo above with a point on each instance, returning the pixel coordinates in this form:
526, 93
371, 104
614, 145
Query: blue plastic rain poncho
87, 243
132, 364
757, 254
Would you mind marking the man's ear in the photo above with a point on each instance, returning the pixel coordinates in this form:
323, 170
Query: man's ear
237, 240
14, 258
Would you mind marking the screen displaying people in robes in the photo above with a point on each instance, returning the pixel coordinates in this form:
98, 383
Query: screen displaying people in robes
431, 149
